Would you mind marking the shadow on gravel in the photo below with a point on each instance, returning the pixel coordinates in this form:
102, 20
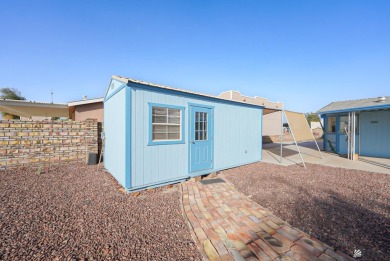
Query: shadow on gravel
341, 223
346, 209
361, 228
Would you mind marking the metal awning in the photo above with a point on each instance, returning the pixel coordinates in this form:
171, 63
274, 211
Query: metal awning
32, 108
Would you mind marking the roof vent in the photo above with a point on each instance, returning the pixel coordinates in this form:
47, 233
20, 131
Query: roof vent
382, 99
84, 97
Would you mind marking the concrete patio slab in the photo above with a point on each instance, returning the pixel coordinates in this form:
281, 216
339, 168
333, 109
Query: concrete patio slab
310, 154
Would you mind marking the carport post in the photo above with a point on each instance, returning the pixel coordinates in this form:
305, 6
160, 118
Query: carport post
314, 138
349, 135
292, 132
281, 135
353, 134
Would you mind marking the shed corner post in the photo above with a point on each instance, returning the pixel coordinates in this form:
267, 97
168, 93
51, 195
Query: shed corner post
128, 137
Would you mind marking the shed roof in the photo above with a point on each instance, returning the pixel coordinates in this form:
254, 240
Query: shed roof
130, 80
356, 105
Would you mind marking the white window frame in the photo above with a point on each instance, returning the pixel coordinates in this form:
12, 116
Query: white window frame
152, 124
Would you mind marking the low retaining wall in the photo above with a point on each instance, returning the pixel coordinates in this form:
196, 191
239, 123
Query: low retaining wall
34, 143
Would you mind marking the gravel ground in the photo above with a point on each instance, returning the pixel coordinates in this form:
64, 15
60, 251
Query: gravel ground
347, 209
72, 212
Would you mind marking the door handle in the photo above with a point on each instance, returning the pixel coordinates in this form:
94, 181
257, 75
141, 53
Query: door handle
193, 142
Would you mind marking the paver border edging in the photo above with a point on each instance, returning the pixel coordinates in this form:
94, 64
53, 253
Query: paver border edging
187, 221
304, 233
248, 198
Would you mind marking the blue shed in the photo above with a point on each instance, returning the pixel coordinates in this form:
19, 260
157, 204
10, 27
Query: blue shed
358, 127
156, 135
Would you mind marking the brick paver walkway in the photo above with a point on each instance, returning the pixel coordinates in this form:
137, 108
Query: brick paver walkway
230, 226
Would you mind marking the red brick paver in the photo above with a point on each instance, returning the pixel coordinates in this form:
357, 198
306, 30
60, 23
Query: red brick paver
230, 226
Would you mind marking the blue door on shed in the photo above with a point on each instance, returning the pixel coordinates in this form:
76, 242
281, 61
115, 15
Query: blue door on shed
374, 136
201, 138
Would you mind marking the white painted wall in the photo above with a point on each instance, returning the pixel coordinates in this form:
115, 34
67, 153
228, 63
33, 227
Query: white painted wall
315, 125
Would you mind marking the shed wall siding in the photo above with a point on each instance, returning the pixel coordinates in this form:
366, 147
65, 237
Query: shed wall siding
237, 138
237, 135
115, 132
375, 131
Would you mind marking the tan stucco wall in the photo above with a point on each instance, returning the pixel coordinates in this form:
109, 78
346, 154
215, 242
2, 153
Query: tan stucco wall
89, 111
271, 124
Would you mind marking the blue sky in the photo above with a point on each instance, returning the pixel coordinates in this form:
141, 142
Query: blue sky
303, 53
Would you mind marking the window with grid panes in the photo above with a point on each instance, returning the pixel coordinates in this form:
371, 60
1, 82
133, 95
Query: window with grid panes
166, 123
201, 128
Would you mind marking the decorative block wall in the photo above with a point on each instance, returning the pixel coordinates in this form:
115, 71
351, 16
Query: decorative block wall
34, 143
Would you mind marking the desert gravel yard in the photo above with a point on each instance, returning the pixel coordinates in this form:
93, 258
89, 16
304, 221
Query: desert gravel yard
72, 212
347, 209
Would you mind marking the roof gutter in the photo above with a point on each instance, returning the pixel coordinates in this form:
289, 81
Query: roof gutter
370, 108
6, 102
